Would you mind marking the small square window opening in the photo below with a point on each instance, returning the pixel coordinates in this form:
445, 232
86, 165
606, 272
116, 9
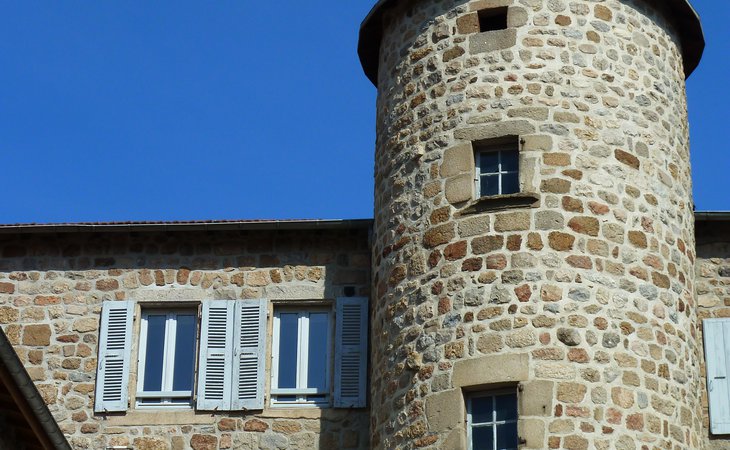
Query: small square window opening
166, 365
492, 19
301, 353
497, 171
492, 420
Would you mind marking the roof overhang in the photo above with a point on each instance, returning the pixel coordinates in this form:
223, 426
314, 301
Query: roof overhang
679, 12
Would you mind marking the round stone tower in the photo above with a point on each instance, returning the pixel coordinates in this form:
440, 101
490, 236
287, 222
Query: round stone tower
534, 235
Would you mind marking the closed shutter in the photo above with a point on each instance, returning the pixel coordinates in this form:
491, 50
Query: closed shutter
115, 347
249, 350
216, 355
351, 343
717, 342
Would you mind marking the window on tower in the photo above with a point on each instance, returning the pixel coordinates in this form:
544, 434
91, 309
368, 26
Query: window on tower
497, 169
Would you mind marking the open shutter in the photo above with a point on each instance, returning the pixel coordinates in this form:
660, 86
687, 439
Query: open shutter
249, 350
115, 348
351, 344
216, 355
717, 342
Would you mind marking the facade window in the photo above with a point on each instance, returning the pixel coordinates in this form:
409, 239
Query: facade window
167, 349
319, 356
301, 357
497, 170
492, 420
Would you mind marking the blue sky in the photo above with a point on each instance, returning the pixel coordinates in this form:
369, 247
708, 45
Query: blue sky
223, 110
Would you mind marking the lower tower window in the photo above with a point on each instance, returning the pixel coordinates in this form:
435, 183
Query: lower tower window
492, 420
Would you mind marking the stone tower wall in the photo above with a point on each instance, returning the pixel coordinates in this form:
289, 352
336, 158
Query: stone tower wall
581, 288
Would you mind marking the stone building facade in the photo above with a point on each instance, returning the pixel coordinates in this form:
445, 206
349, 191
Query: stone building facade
577, 288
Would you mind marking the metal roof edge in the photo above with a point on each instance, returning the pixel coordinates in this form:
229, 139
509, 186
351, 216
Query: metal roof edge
187, 226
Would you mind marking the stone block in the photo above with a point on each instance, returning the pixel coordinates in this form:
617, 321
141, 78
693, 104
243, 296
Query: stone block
514, 221
495, 130
537, 143
458, 160
8, 314
456, 440
516, 17
490, 41
467, 24
459, 188
536, 398
532, 432
474, 226
36, 335
150, 443
489, 4
445, 411
491, 369
529, 112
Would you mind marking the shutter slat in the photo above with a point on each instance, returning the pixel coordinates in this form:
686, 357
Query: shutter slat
249, 350
216, 356
717, 342
115, 348
351, 343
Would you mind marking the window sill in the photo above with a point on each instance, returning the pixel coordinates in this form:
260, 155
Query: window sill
496, 203
161, 417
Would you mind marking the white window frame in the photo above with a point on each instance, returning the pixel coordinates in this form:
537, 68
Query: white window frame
499, 150
302, 394
494, 422
166, 394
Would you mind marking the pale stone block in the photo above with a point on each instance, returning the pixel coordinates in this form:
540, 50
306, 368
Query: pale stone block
537, 143
488, 4
491, 369
459, 188
536, 398
516, 17
295, 292
533, 433
458, 160
445, 410
490, 41
169, 294
495, 130
456, 440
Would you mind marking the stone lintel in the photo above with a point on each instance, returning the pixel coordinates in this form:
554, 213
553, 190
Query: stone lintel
476, 372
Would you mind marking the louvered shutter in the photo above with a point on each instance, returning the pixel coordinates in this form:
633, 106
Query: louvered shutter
351, 343
115, 348
216, 355
717, 342
249, 350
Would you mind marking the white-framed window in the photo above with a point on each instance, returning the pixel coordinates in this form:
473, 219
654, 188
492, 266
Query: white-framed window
492, 420
166, 363
497, 170
301, 357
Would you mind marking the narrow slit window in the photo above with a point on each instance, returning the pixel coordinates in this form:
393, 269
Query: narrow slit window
492, 19
497, 170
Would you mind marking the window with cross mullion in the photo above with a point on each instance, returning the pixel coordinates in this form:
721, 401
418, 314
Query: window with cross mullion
492, 420
497, 171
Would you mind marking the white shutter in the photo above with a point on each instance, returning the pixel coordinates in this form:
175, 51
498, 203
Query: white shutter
115, 348
351, 344
216, 355
249, 350
717, 342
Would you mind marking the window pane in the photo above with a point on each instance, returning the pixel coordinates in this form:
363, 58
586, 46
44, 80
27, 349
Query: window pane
288, 341
318, 332
184, 353
506, 407
482, 438
510, 161
154, 352
489, 162
489, 185
481, 409
507, 436
510, 183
